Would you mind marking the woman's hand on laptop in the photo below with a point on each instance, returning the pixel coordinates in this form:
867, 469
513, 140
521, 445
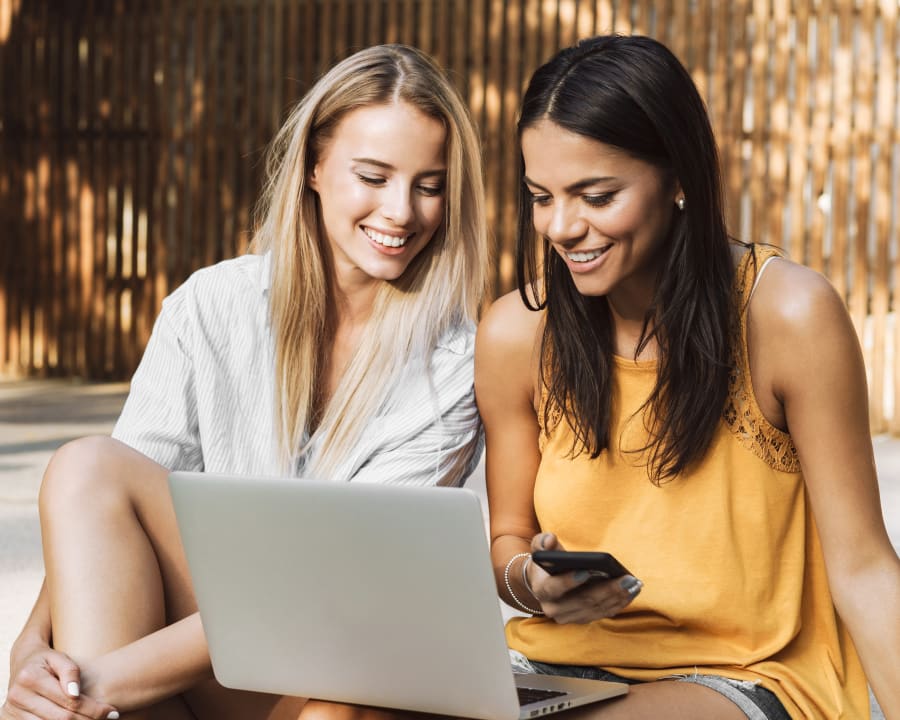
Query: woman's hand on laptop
576, 596
45, 682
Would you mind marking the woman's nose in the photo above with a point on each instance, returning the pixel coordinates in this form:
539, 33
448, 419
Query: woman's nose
398, 205
565, 223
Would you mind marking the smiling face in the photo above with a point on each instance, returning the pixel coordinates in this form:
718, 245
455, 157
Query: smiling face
380, 180
605, 212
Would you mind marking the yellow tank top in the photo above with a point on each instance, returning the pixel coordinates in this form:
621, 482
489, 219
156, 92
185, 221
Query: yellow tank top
733, 572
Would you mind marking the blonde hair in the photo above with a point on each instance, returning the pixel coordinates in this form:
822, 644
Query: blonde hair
441, 287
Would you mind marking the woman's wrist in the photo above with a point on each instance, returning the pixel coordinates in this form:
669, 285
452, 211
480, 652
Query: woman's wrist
523, 603
29, 641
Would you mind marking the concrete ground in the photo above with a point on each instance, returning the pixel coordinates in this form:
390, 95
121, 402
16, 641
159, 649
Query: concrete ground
37, 416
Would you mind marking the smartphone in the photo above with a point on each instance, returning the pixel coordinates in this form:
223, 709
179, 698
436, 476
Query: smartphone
597, 564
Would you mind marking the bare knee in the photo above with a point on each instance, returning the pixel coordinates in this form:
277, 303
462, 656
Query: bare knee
90, 470
324, 710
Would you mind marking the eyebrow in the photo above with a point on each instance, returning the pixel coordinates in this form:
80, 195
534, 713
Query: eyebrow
574, 187
388, 166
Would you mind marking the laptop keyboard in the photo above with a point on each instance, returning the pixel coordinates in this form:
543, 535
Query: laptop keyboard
530, 695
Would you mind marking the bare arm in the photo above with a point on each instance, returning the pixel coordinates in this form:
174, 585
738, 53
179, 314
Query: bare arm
505, 372
806, 357
35, 633
507, 356
153, 668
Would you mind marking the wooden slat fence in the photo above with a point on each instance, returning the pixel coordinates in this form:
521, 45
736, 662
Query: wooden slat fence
132, 132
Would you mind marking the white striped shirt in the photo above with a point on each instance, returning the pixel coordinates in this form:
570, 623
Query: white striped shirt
202, 397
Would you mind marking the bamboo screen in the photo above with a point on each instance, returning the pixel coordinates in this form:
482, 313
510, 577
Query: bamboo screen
132, 132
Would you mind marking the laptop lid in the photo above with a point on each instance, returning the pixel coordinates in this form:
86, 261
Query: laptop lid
369, 594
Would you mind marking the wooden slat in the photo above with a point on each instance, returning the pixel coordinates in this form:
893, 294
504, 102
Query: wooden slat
407, 10
98, 152
776, 187
717, 85
376, 23
508, 189
644, 22
623, 16
42, 290
441, 48
800, 114
862, 109
228, 128
160, 131
567, 14
342, 46
279, 63
391, 21
820, 137
700, 70
459, 43
129, 90
310, 66
55, 289
757, 178
477, 72
425, 28
842, 70
491, 135
531, 45
9, 173
209, 220
357, 24
736, 55
678, 29
887, 233
550, 40
586, 19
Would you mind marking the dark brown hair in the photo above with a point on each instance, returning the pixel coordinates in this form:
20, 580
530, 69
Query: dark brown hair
634, 94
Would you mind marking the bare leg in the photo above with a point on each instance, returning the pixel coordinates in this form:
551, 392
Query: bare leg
116, 570
650, 701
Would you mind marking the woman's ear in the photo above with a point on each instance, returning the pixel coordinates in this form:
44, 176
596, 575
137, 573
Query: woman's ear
679, 198
313, 178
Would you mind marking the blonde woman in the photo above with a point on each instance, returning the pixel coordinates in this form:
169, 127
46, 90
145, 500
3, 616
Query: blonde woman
341, 349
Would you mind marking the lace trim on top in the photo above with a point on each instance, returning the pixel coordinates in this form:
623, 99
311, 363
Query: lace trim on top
742, 414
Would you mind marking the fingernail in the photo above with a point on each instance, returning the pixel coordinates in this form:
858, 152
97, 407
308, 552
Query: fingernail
631, 585
113, 715
580, 576
543, 540
73, 689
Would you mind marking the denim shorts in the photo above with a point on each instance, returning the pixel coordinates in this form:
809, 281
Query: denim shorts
753, 699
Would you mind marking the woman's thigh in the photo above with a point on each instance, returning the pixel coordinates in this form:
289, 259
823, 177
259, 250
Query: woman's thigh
691, 696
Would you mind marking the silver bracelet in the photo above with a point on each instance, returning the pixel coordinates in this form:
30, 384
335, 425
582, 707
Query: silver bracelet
525, 576
509, 586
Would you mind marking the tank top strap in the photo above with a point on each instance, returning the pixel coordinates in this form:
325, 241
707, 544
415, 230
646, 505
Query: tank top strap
742, 414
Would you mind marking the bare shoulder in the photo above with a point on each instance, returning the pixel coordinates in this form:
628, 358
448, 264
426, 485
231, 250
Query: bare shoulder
509, 327
507, 355
797, 301
800, 334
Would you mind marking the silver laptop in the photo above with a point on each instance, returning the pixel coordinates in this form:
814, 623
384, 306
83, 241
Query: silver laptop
368, 594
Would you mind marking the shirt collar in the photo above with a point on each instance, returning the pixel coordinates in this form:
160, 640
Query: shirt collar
265, 273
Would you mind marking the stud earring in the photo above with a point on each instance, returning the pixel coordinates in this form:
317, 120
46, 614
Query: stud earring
680, 203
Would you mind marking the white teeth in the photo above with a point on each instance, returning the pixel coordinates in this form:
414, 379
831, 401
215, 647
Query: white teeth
586, 256
387, 240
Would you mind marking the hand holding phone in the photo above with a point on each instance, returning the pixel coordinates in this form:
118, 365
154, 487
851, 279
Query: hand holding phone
597, 564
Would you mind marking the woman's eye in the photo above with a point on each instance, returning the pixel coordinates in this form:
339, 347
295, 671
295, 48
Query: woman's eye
373, 180
431, 190
540, 199
598, 200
